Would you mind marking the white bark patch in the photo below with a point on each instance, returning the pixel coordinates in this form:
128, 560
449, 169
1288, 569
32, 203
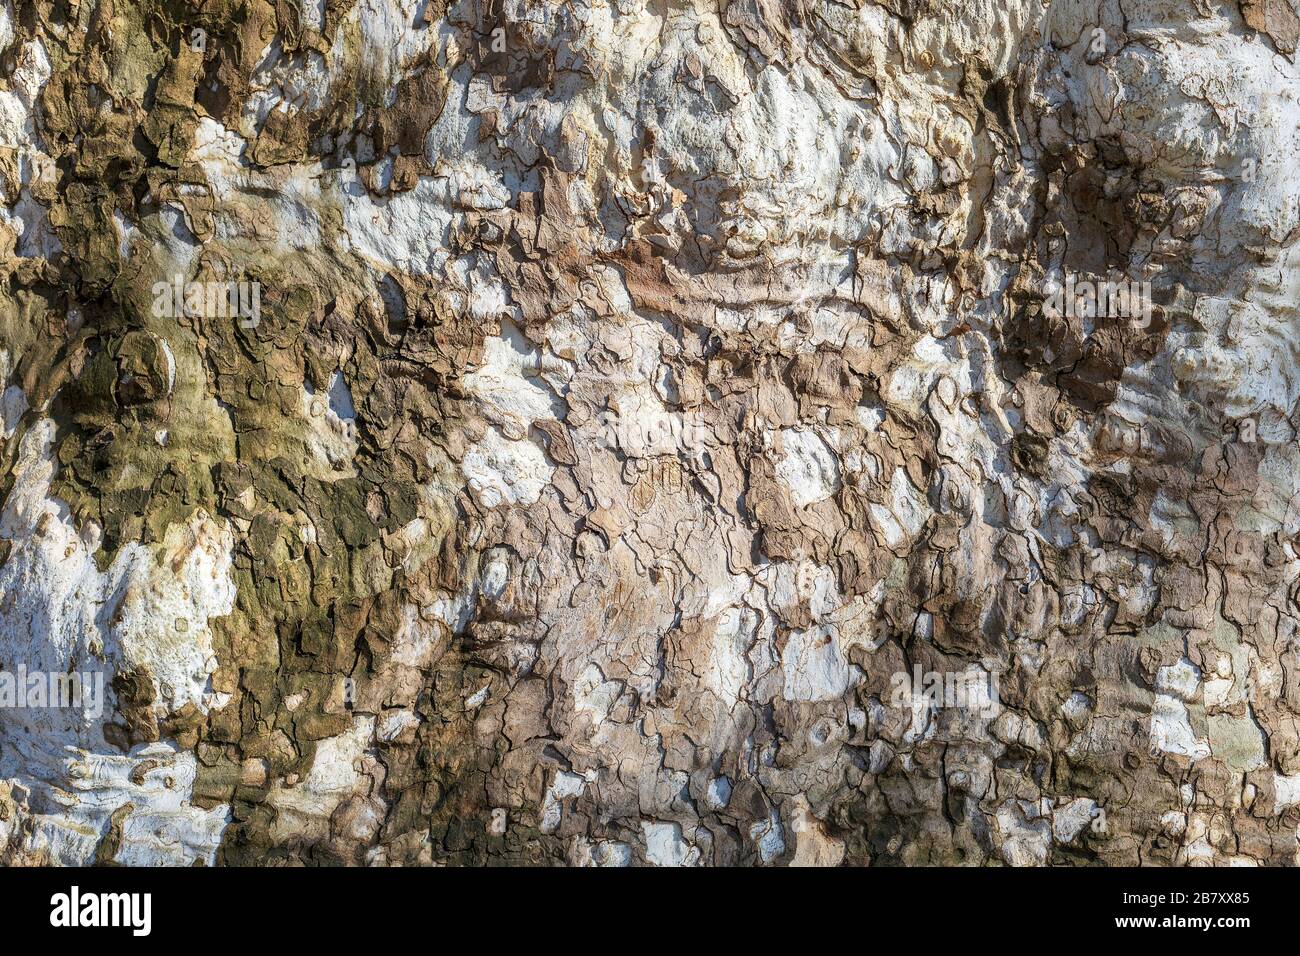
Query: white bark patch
595, 696
604, 853
502, 471
1024, 832
769, 837
331, 433
729, 668
148, 611
809, 468
507, 386
1286, 790
907, 513
566, 784
1179, 680
337, 772
1171, 729
13, 402
18, 106
666, 846
815, 665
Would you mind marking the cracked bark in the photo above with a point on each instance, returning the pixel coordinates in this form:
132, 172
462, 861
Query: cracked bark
639, 395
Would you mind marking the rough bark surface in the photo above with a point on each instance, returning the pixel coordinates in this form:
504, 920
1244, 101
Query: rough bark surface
643, 401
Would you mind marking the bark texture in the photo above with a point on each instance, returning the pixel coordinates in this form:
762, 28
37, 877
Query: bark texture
615, 431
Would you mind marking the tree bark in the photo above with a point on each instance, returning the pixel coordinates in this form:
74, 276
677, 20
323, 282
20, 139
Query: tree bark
606, 433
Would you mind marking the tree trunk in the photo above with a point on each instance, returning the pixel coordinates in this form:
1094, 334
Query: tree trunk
713, 433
